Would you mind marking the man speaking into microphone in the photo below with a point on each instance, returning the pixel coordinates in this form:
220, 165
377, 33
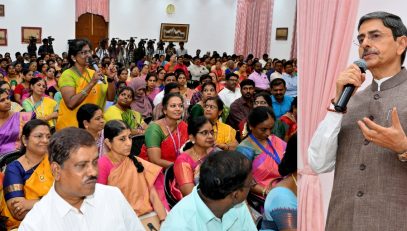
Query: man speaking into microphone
365, 142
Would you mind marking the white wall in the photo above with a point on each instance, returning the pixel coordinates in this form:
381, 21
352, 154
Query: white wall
397, 7
57, 19
283, 16
212, 22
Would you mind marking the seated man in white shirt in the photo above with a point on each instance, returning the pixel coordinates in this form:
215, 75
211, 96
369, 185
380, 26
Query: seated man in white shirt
218, 201
196, 69
75, 201
230, 93
278, 71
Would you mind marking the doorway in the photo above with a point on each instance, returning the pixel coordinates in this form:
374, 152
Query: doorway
93, 27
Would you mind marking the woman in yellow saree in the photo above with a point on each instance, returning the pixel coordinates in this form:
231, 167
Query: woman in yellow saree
28, 178
135, 177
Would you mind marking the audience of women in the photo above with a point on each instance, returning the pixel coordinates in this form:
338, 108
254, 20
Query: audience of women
80, 85
141, 103
122, 111
208, 90
151, 86
90, 118
290, 118
22, 90
11, 124
134, 176
186, 166
15, 107
184, 90
225, 134
263, 149
281, 202
44, 107
51, 82
166, 136
28, 178
263, 99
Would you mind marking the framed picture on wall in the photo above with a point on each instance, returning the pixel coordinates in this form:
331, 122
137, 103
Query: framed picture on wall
171, 32
282, 33
28, 33
3, 37
1, 10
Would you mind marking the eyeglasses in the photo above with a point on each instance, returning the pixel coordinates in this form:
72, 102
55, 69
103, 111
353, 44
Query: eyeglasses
211, 107
374, 36
206, 132
260, 103
85, 52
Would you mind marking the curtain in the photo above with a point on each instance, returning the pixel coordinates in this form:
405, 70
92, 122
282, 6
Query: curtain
253, 27
293, 53
325, 30
99, 7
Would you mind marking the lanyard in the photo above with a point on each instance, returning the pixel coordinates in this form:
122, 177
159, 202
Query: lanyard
273, 155
176, 147
74, 68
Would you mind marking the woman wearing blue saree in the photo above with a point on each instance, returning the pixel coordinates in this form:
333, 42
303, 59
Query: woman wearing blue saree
28, 178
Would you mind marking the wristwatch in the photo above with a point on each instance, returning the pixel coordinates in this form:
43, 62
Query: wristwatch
402, 156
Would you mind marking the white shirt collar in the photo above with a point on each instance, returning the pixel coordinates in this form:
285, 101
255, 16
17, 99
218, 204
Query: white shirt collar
380, 81
63, 207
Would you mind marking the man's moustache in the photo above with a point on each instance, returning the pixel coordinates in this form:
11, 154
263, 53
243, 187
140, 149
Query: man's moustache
368, 52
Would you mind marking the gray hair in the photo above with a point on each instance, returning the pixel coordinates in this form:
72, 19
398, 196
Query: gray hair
391, 21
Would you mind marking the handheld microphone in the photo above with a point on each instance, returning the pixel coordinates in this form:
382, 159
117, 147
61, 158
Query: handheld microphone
348, 89
151, 227
95, 66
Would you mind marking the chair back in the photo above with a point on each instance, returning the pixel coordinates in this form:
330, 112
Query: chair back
169, 177
137, 142
8, 157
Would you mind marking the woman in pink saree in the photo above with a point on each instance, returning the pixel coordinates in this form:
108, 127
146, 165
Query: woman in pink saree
263, 149
186, 166
135, 177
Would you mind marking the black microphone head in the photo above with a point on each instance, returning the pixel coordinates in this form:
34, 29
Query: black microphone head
91, 61
361, 63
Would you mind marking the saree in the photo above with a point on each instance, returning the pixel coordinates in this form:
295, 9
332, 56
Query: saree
31, 184
131, 118
280, 210
186, 171
69, 78
264, 167
135, 186
155, 138
290, 122
225, 134
45, 107
10, 131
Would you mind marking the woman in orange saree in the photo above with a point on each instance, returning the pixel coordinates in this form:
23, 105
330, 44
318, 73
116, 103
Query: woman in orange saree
134, 176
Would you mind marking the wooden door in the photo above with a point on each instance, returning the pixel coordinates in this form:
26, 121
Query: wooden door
93, 27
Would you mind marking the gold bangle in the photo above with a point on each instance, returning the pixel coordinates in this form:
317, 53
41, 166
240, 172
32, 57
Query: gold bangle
84, 93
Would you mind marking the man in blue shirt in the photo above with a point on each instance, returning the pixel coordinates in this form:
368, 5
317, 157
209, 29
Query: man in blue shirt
281, 102
218, 201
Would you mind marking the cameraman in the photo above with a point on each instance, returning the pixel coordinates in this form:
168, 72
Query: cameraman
46, 47
113, 49
101, 51
32, 46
